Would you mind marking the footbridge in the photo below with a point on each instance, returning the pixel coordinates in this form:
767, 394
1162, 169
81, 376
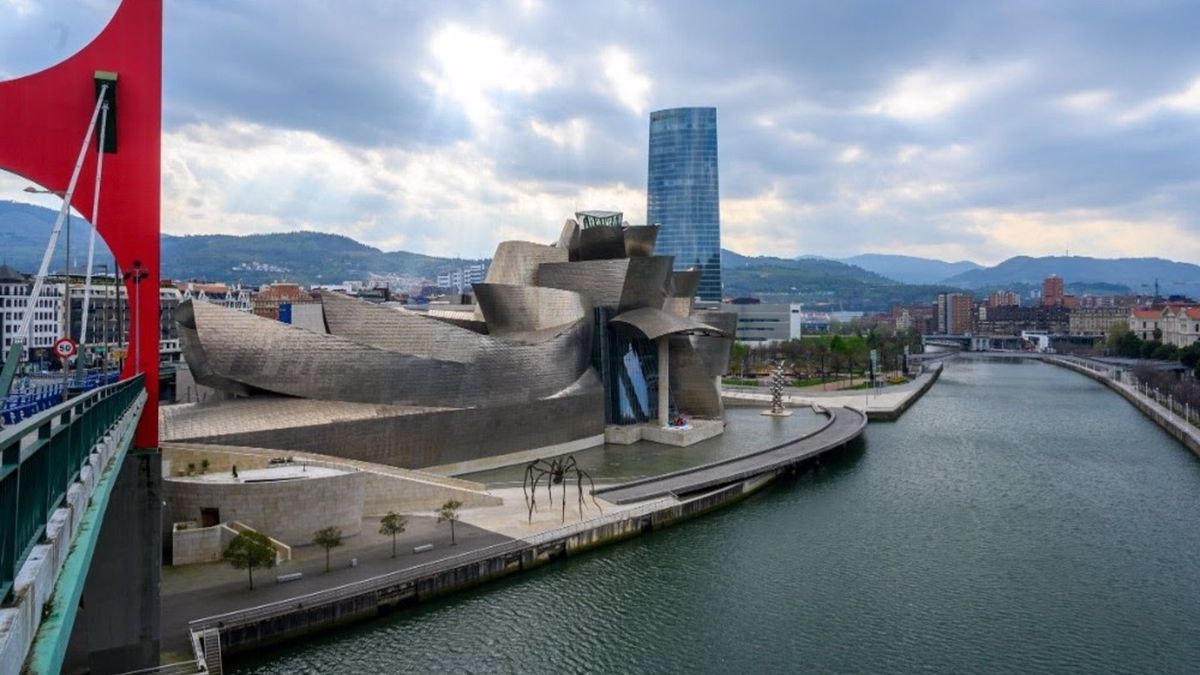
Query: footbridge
975, 343
60, 473
842, 426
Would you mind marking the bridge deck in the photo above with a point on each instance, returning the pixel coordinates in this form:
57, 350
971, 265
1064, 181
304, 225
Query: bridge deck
845, 425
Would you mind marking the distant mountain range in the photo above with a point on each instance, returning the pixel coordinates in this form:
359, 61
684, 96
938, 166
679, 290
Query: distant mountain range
307, 257
1136, 274
910, 269
868, 282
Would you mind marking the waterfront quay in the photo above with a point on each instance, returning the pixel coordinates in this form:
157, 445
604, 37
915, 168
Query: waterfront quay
506, 539
883, 404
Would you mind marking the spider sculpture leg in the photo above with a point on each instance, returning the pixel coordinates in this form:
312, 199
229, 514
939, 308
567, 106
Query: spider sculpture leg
573, 465
525, 484
588, 476
564, 502
550, 481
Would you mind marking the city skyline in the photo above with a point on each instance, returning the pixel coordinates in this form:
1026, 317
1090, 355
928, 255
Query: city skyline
930, 129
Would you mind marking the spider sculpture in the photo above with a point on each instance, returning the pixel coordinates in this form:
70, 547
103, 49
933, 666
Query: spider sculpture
555, 472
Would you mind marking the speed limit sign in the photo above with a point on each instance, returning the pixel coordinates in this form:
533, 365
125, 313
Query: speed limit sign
64, 348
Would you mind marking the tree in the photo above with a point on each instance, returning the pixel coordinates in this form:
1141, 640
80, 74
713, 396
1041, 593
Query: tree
1157, 334
250, 551
392, 524
740, 355
1190, 355
329, 538
1165, 353
449, 512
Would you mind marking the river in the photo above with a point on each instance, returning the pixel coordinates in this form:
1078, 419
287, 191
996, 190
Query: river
1019, 518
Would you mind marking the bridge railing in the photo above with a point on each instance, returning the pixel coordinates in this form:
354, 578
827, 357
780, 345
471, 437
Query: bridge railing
41, 457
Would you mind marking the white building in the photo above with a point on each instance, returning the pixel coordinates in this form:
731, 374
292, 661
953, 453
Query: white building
464, 278
766, 323
1143, 322
1180, 325
46, 326
232, 297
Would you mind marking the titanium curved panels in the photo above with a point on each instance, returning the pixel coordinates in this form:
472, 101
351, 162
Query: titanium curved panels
569, 239
603, 242
726, 322
472, 321
655, 323
696, 363
399, 330
509, 309
626, 284
639, 240
264, 354
681, 296
516, 262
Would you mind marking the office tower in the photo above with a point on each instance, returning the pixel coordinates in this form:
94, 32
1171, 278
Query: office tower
682, 192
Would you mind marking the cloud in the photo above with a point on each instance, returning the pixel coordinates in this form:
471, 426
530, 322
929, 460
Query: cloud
954, 129
450, 200
473, 67
928, 94
631, 87
1186, 100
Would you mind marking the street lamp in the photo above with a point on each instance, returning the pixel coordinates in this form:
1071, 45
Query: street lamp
136, 275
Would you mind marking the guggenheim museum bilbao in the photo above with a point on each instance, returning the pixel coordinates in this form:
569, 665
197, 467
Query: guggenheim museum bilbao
589, 334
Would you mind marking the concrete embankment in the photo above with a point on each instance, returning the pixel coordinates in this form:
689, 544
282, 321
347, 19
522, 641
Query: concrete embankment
272, 624
1173, 424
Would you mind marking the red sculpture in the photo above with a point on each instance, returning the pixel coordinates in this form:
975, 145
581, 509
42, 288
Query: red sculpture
43, 118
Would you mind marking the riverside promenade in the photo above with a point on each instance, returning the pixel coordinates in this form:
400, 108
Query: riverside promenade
1164, 413
503, 540
886, 404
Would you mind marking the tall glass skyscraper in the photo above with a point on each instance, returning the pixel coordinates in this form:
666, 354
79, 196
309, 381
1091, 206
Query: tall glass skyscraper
682, 192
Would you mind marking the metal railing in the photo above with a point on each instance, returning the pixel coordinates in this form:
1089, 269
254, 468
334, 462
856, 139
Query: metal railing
42, 457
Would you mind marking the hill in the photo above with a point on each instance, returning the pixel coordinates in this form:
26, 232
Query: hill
24, 230
910, 269
1137, 274
817, 282
306, 257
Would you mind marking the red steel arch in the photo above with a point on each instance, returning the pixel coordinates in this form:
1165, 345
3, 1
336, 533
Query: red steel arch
43, 117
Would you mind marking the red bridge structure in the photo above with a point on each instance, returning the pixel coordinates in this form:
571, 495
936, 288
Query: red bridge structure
43, 117
103, 606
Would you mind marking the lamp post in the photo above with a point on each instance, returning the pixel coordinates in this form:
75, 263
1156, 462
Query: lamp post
136, 275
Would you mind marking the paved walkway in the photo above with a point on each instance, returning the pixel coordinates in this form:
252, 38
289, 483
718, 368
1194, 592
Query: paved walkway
199, 591
885, 400
846, 424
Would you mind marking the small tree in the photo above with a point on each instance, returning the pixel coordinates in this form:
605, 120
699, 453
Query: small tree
329, 538
449, 512
392, 524
250, 551
204, 464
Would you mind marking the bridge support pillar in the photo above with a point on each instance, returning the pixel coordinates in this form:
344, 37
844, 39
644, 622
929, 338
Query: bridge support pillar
117, 628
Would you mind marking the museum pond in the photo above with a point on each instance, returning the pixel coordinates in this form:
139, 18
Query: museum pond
1019, 518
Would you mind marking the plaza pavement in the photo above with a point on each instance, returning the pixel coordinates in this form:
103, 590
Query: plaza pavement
885, 400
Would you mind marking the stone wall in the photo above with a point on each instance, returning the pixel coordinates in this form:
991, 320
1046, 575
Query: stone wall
437, 438
200, 544
385, 488
288, 510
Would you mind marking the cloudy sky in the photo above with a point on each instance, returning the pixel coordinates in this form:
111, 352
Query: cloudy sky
948, 129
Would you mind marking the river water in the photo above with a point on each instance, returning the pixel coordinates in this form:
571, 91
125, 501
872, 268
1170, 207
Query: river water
1020, 518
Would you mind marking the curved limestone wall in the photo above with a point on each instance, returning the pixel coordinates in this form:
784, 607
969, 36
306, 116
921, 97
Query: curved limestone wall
289, 510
